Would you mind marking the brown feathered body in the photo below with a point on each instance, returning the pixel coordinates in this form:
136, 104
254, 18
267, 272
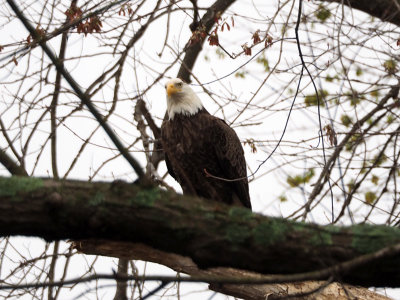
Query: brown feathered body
199, 145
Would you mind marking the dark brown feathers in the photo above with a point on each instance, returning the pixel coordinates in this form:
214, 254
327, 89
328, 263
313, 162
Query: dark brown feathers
193, 144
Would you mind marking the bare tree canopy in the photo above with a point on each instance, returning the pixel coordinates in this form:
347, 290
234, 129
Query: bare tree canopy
311, 89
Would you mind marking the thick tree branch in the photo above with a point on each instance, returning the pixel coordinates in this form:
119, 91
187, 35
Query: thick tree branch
186, 265
193, 51
386, 10
122, 285
12, 166
211, 233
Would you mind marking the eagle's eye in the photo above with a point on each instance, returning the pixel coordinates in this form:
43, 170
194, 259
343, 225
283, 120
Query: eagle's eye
179, 84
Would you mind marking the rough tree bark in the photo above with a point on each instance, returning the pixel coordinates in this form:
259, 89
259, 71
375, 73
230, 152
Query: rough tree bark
211, 233
307, 290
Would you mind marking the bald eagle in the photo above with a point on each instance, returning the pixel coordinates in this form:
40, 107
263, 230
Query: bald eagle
201, 150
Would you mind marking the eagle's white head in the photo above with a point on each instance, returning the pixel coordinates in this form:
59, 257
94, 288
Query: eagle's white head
181, 99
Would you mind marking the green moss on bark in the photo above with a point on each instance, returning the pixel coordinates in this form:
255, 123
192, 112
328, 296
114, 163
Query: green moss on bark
235, 233
240, 213
270, 232
147, 197
11, 186
370, 238
321, 238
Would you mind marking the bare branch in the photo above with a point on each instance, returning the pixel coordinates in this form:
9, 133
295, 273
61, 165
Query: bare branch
13, 167
84, 98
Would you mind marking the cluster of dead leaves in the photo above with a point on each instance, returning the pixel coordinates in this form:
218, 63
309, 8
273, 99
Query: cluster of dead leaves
126, 9
199, 35
92, 24
221, 24
256, 40
331, 134
251, 144
73, 13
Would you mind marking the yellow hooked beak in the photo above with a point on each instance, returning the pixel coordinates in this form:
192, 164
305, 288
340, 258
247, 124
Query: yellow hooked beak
172, 89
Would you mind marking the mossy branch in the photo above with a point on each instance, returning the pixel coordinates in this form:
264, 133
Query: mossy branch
211, 233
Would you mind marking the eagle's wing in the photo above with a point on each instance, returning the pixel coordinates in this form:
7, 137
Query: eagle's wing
169, 166
165, 131
231, 158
